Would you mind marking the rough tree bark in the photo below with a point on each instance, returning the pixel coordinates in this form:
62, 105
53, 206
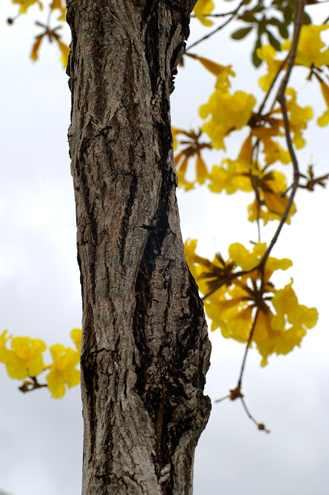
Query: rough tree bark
145, 347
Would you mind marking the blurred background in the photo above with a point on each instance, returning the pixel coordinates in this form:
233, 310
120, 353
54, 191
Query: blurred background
41, 438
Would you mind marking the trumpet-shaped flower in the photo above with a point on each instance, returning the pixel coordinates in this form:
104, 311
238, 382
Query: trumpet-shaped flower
274, 152
24, 358
3, 348
25, 4
234, 174
76, 335
282, 340
60, 5
297, 118
228, 112
208, 274
36, 46
310, 46
203, 8
267, 53
270, 210
62, 370
65, 52
324, 119
245, 259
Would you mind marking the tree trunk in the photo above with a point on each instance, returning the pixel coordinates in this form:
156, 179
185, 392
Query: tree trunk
145, 348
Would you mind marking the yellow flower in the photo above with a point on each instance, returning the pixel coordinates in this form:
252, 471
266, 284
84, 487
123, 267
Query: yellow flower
58, 4
208, 274
221, 71
65, 52
192, 259
229, 112
245, 259
24, 358
275, 206
203, 8
76, 335
297, 118
268, 53
35, 48
282, 340
270, 202
3, 348
286, 304
281, 322
324, 119
25, 4
310, 46
62, 370
235, 174
273, 152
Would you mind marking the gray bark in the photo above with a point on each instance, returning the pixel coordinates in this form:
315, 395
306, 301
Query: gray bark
145, 348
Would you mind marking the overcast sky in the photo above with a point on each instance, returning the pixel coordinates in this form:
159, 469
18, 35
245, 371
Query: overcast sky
41, 438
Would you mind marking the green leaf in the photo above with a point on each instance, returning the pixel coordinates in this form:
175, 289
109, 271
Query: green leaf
307, 19
257, 9
247, 17
262, 26
241, 33
288, 15
255, 59
274, 22
273, 41
284, 33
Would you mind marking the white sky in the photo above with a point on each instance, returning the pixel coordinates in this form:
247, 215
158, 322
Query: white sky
41, 438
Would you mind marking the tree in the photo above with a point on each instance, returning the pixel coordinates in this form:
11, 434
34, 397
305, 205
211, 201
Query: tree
145, 348
144, 216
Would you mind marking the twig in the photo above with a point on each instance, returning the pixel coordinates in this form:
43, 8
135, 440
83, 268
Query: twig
299, 15
28, 386
222, 398
247, 349
219, 27
260, 426
272, 85
215, 15
298, 22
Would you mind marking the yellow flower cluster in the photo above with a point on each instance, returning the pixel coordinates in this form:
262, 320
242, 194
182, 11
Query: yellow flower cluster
245, 174
250, 302
228, 112
312, 54
25, 359
182, 159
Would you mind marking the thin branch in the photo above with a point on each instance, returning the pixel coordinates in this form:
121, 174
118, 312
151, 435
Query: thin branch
215, 15
260, 426
28, 386
272, 86
298, 22
247, 349
223, 398
299, 15
219, 27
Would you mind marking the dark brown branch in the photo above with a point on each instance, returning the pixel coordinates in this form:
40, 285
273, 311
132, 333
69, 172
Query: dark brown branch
28, 385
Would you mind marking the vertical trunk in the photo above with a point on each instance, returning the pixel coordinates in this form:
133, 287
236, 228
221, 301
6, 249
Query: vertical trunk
145, 348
